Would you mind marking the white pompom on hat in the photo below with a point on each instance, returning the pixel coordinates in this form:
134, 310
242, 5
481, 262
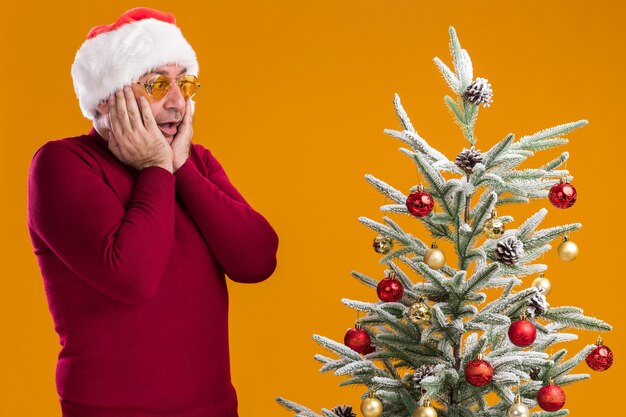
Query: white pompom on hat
114, 55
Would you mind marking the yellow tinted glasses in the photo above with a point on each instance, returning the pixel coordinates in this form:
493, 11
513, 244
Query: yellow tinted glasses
158, 86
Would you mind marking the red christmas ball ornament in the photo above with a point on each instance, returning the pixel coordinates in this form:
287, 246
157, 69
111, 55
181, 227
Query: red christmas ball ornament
358, 340
551, 397
478, 372
601, 358
390, 289
562, 195
522, 333
420, 203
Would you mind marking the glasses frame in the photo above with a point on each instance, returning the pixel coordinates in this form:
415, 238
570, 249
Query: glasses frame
148, 85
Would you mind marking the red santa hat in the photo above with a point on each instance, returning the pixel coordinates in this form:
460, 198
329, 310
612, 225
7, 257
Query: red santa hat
114, 55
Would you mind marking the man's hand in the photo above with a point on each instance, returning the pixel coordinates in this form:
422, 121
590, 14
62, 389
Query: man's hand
136, 139
181, 145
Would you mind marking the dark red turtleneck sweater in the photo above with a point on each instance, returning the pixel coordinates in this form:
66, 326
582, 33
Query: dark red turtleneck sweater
133, 265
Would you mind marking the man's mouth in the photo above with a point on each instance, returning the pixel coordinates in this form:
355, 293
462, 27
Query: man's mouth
169, 128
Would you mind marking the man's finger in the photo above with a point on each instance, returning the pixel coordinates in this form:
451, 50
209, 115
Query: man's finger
134, 116
146, 114
189, 112
113, 118
122, 112
185, 125
192, 108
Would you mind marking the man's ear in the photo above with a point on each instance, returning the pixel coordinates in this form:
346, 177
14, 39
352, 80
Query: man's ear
103, 107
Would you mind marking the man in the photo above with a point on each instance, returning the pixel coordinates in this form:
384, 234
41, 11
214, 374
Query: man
135, 228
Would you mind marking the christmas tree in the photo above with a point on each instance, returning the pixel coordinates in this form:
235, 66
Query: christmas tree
438, 346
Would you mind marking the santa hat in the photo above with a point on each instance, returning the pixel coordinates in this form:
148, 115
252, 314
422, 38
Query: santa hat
114, 55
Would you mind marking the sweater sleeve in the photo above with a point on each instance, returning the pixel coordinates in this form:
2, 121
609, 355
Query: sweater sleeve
120, 251
241, 239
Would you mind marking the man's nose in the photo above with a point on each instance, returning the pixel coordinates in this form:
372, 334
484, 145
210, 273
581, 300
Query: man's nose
174, 98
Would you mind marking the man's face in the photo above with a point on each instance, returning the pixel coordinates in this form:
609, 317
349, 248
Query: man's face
169, 110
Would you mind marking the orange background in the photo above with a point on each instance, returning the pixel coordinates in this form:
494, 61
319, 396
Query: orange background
294, 101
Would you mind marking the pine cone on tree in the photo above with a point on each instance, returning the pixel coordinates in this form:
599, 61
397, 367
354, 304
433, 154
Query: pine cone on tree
509, 250
344, 411
421, 373
537, 305
479, 92
534, 374
468, 158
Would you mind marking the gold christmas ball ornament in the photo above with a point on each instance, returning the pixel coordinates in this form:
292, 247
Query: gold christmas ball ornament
517, 409
383, 244
494, 227
425, 410
371, 407
542, 282
434, 257
419, 312
567, 250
